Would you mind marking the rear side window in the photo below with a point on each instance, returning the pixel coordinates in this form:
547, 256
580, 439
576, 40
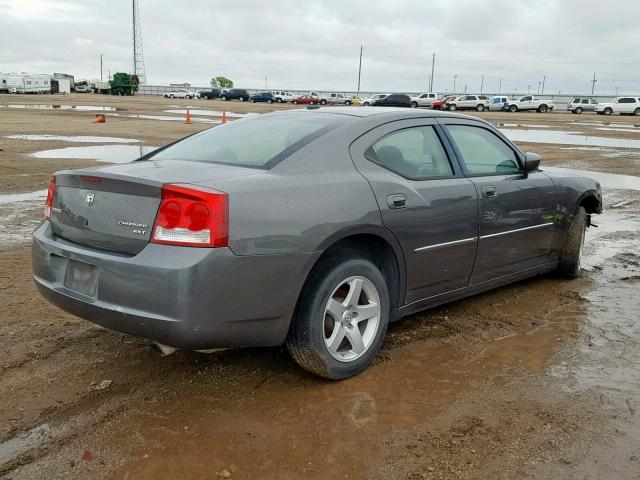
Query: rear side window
482, 151
414, 153
259, 142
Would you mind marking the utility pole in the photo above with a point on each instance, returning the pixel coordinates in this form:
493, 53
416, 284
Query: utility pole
481, 83
359, 70
265, 83
544, 79
500, 87
465, 89
617, 88
593, 83
433, 64
429, 83
455, 77
528, 89
539, 83
101, 67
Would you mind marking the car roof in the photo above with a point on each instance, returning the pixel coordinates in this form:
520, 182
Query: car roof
383, 113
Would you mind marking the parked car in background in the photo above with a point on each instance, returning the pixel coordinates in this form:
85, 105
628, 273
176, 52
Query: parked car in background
499, 102
235, 94
468, 102
331, 98
308, 228
621, 105
368, 101
181, 93
282, 96
441, 104
393, 100
306, 100
262, 97
82, 89
529, 102
582, 104
210, 94
423, 100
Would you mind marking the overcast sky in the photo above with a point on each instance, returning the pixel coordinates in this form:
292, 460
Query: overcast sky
315, 44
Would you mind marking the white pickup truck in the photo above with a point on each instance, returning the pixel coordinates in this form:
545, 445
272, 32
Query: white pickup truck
423, 100
529, 102
331, 98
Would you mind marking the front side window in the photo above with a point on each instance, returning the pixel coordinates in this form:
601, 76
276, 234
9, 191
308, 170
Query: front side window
585, 100
414, 153
482, 151
259, 142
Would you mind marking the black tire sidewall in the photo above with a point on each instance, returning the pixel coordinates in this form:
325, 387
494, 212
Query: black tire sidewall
310, 314
569, 265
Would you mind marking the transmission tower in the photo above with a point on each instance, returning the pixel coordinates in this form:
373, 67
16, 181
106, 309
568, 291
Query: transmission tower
138, 55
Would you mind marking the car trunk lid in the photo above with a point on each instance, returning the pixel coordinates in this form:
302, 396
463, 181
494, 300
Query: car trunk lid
114, 208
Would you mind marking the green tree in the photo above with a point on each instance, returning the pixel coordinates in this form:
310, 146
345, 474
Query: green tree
222, 82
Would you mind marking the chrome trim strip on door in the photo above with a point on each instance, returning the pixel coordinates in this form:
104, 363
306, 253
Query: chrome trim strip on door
533, 227
446, 244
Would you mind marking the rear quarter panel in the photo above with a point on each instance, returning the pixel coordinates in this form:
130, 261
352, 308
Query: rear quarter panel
295, 207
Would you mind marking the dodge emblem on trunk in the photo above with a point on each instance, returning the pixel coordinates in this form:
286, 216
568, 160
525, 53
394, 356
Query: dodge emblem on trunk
90, 197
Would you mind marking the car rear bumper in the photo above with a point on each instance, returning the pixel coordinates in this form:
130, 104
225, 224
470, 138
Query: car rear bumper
192, 298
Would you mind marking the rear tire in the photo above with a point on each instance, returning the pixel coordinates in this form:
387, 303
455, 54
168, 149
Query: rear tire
323, 102
480, 108
607, 111
452, 107
637, 112
279, 100
251, 100
569, 266
513, 108
414, 104
329, 334
347, 103
224, 99
543, 108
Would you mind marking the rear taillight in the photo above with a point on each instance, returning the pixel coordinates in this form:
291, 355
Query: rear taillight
192, 216
50, 194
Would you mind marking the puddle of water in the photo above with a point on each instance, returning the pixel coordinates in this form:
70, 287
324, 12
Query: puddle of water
101, 153
194, 119
558, 137
73, 139
607, 180
211, 113
617, 129
23, 442
80, 108
22, 197
609, 124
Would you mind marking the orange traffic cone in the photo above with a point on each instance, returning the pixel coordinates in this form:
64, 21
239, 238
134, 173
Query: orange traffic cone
100, 118
188, 122
224, 116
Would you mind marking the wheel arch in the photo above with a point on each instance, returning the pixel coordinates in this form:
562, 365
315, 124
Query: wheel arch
377, 244
591, 201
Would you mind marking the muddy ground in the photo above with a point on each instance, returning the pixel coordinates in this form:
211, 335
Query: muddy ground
540, 379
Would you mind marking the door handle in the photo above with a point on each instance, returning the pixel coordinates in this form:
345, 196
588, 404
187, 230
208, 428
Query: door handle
489, 191
397, 200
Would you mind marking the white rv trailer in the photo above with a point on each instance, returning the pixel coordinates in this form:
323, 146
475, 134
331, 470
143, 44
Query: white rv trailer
25, 83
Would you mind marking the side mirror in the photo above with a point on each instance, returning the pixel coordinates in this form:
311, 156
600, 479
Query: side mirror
531, 162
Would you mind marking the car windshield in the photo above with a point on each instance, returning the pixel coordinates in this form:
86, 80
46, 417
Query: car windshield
258, 142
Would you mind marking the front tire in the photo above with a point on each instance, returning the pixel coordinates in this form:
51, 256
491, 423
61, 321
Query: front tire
607, 111
323, 102
569, 266
513, 108
224, 99
452, 107
480, 108
578, 110
637, 112
414, 104
341, 318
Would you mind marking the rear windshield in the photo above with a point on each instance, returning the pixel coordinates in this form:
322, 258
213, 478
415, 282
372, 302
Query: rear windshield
255, 142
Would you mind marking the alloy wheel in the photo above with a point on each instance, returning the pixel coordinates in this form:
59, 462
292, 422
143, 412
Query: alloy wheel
351, 319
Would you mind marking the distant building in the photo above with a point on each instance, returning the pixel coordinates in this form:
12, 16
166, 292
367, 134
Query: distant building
179, 84
65, 76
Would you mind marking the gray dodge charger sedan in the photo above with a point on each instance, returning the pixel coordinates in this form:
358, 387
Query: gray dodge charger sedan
311, 228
